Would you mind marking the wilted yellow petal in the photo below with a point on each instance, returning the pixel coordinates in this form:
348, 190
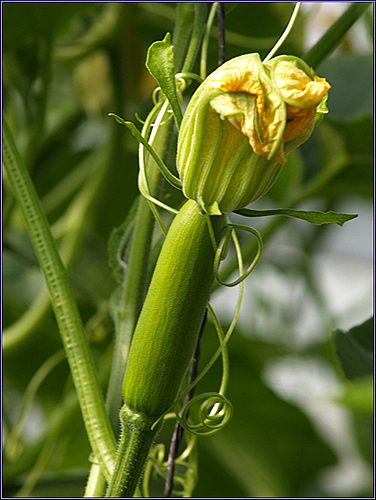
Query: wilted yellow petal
239, 81
252, 105
240, 125
297, 88
298, 119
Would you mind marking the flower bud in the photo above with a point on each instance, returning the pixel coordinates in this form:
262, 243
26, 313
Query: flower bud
239, 126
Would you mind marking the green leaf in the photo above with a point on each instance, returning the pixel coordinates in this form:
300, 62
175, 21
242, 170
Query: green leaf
160, 63
311, 216
355, 350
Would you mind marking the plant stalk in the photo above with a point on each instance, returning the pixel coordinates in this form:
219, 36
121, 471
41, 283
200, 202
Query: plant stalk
67, 315
136, 439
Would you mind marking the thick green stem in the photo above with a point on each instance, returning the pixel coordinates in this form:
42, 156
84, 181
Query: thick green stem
189, 25
64, 305
137, 438
75, 222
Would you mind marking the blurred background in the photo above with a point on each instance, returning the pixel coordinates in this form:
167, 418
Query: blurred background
301, 355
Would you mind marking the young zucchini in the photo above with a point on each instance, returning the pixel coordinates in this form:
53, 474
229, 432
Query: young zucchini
167, 330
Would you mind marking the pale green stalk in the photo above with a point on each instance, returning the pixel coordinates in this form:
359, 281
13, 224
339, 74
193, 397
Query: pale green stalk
136, 439
189, 23
96, 483
205, 42
195, 39
65, 308
285, 34
73, 223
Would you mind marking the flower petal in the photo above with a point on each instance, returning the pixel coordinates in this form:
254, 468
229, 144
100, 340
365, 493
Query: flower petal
298, 119
297, 88
251, 104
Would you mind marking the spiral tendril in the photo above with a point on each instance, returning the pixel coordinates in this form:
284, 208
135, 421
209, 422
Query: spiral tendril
185, 478
155, 95
183, 80
139, 119
212, 413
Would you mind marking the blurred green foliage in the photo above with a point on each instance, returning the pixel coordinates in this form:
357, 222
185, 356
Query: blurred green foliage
65, 67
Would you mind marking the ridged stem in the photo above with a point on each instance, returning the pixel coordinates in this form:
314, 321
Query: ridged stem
75, 222
70, 325
136, 440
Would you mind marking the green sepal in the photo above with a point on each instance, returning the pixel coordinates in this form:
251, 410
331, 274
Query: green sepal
161, 65
210, 209
311, 216
321, 110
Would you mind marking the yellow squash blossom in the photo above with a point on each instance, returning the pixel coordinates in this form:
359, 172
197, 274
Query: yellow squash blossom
239, 126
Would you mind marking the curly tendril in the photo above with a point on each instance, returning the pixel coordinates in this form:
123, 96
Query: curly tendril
155, 95
183, 80
155, 463
185, 478
212, 414
223, 244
